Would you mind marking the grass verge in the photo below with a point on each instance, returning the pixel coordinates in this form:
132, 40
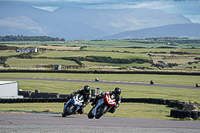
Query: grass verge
145, 78
132, 110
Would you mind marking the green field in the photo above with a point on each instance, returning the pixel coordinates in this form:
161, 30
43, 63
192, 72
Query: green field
147, 43
134, 50
171, 54
145, 78
91, 53
22, 63
193, 51
95, 65
155, 50
136, 110
8, 53
181, 60
128, 91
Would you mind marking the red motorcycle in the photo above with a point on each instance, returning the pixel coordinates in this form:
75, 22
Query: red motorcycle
103, 105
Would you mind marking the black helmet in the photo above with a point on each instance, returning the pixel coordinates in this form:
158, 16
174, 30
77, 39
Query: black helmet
86, 89
117, 90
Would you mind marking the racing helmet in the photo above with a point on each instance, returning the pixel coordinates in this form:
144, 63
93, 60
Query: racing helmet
86, 89
117, 90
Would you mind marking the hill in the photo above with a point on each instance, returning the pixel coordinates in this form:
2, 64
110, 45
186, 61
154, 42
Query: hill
74, 23
190, 30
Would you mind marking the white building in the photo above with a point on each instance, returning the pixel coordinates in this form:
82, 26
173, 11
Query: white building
9, 89
27, 50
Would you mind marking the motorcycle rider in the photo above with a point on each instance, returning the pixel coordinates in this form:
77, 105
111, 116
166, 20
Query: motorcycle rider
116, 94
85, 92
96, 79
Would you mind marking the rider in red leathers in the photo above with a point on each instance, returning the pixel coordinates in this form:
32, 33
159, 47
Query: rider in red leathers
116, 94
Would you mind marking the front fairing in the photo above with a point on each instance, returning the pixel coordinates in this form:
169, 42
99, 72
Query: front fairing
110, 99
76, 101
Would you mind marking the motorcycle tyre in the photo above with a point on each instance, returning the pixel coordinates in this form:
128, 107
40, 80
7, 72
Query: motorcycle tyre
90, 115
68, 111
104, 110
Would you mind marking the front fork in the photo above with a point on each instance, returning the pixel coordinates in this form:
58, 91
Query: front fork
77, 108
66, 104
98, 104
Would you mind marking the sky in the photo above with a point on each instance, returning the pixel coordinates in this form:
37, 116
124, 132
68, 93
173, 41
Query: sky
187, 8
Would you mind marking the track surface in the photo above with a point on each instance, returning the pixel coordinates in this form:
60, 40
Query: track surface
104, 82
35, 122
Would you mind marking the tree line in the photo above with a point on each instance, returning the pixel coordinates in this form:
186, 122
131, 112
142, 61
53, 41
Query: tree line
104, 59
165, 40
29, 38
4, 47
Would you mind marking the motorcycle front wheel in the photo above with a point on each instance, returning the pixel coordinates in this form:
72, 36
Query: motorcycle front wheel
69, 110
90, 115
101, 110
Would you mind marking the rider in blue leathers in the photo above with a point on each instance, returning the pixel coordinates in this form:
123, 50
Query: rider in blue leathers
85, 92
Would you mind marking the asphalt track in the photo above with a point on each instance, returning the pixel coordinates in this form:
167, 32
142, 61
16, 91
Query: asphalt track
46, 122
103, 82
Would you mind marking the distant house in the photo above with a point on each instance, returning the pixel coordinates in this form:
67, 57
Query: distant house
27, 50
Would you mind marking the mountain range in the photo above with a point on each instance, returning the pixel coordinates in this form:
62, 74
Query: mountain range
190, 30
73, 23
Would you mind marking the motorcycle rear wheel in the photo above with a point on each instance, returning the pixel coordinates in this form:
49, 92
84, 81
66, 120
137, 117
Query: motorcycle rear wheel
101, 110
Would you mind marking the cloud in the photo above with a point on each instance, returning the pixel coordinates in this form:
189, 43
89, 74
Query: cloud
47, 8
21, 22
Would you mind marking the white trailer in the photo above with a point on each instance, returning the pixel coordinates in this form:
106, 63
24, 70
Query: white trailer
9, 89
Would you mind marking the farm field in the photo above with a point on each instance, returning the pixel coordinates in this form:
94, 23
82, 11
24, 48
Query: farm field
144, 43
26, 63
8, 53
158, 54
90, 53
133, 50
181, 61
97, 65
168, 58
192, 51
